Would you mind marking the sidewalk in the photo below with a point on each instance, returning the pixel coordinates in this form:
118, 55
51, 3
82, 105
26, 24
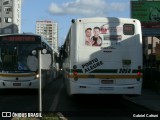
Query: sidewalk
149, 99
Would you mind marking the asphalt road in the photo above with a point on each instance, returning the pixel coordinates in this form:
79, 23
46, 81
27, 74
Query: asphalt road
81, 107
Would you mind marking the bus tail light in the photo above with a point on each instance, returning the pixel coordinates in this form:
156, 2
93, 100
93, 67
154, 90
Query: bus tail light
75, 73
139, 74
139, 71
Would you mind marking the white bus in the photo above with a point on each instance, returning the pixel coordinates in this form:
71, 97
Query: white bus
19, 61
103, 56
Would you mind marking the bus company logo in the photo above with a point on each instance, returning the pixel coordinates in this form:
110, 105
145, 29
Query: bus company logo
20, 115
91, 65
6, 114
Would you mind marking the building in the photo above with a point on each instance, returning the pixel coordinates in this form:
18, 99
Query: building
147, 11
49, 31
10, 16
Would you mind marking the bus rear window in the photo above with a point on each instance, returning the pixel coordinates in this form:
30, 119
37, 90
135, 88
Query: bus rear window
128, 29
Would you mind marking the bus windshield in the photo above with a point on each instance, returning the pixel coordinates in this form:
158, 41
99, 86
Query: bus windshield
14, 57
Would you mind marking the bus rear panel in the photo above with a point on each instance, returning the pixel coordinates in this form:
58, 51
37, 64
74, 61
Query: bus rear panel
104, 56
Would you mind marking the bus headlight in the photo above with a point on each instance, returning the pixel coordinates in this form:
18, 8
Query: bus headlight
37, 76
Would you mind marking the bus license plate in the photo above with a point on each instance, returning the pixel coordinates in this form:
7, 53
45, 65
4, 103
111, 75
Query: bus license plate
16, 84
107, 81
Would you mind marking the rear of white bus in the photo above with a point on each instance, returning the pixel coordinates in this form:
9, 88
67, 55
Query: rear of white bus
112, 65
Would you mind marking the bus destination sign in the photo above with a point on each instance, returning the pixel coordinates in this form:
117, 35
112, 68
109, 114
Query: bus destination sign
20, 39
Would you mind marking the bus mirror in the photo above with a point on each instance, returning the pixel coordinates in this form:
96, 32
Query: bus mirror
34, 52
44, 51
46, 61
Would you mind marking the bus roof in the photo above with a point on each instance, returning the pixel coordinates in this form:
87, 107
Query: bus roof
99, 19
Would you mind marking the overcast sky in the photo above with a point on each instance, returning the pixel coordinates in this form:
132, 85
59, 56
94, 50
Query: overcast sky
62, 11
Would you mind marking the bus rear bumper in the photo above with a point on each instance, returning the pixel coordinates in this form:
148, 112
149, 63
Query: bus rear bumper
134, 89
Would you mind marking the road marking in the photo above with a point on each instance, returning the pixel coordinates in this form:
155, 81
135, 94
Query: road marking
56, 99
61, 116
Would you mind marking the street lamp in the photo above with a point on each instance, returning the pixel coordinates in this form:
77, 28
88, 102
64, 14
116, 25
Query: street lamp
40, 52
40, 82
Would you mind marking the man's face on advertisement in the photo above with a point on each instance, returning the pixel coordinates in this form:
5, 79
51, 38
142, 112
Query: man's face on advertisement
88, 33
96, 32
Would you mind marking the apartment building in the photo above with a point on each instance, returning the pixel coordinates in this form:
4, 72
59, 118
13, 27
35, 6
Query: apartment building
10, 16
49, 31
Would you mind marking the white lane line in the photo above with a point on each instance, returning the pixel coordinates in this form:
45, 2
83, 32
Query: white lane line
61, 116
56, 99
